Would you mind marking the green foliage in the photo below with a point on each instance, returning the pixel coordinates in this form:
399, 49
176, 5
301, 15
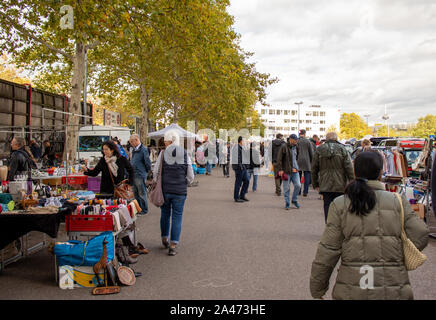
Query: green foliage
352, 126
425, 127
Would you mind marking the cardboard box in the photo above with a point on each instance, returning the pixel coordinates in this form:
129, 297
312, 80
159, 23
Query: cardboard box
78, 277
419, 209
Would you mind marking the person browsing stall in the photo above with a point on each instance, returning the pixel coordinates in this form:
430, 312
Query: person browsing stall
112, 163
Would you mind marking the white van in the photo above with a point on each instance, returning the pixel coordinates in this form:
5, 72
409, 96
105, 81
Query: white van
91, 139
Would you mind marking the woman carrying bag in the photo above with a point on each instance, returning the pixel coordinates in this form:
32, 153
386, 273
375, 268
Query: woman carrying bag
367, 228
112, 167
172, 174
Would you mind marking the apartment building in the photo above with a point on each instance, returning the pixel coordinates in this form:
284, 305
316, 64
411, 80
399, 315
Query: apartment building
287, 120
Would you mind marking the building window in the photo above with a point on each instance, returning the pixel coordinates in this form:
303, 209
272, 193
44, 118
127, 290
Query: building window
316, 114
278, 112
321, 129
322, 113
287, 121
263, 111
286, 113
286, 129
294, 112
293, 128
308, 114
272, 112
322, 122
294, 120
308, 121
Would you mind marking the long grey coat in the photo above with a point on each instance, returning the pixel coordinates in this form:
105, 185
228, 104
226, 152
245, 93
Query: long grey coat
373, 240
305, 154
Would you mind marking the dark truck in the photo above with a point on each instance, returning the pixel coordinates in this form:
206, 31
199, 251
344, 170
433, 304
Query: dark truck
36, 115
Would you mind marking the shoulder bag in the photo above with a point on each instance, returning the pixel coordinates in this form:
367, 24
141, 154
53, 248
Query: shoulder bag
122, 190
155, 194
413, 258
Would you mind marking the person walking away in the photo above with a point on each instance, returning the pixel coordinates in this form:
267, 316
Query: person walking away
19, 161
226, 165
253, 169
35, 149
49, 154
332, 169
276, 145
287, 163
141, 166
177, 173
240, 162
305, 156
209, 149
364, 231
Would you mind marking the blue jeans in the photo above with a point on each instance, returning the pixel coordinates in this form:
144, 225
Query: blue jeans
243, 180
208, 167
307, 180
295, 179
255, 173
171, 213
140, 192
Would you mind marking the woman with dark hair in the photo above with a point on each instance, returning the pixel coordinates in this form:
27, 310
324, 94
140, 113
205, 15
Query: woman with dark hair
112, 163
364, 230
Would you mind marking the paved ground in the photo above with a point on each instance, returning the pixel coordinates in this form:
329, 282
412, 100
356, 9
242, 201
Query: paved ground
229, 250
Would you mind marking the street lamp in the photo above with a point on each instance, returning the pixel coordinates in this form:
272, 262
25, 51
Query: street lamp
298, 103
367, 127
386, 118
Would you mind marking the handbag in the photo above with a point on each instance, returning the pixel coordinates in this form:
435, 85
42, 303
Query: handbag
155, 194
413, 258
122, 190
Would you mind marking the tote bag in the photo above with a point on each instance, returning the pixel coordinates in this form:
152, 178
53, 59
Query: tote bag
155, 194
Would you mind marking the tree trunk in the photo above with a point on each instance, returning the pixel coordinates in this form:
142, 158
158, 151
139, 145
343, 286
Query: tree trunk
145, 111
75, 106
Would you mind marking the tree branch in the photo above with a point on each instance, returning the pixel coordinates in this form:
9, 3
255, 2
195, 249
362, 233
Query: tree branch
27, 33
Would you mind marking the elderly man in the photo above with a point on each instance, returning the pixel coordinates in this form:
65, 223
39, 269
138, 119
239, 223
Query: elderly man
20, 161
141, 165
332, 169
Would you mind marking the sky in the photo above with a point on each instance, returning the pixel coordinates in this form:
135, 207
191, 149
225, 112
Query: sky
358, 55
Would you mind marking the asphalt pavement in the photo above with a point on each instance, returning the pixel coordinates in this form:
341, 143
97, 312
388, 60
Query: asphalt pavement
253, 250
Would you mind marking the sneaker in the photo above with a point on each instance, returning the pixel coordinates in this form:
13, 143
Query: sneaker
172, 251
296, 204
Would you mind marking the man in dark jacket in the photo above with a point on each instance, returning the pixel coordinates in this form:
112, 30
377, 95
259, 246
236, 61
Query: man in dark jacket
49, 153
240, 162
305, 156
287, 163
276, 145
141, 165
35, 149
19, 162
332, 169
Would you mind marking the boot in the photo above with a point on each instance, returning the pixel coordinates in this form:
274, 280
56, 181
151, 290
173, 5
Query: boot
123, 255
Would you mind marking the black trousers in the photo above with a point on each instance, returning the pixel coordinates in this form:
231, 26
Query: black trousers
328, 199
226, 169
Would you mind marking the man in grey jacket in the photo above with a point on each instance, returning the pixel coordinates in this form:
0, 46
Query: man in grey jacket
305, 156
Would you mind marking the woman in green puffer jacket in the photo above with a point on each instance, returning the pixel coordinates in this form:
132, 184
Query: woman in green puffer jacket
364, 230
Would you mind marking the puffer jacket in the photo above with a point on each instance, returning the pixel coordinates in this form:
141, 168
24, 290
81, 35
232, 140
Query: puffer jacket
372, 240
332, 168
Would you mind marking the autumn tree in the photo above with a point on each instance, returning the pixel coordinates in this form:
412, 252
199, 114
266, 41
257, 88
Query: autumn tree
43, 39
352, 126
425, 127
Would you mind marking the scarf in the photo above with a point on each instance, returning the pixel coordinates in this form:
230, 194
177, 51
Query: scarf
112, 165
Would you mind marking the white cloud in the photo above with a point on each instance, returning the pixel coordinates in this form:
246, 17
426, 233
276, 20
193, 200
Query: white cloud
358, 55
